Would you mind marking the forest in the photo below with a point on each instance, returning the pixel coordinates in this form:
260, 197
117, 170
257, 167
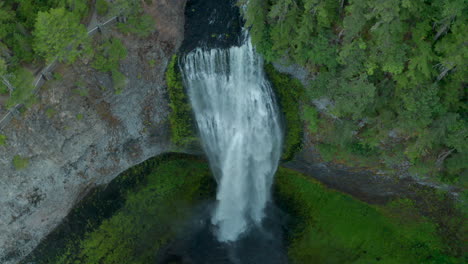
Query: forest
36, 33
389, 78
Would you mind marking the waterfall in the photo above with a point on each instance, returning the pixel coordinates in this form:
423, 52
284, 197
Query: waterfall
239, 125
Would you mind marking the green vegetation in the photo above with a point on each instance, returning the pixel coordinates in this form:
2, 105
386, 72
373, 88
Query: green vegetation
182, 129
102, 7
331, 227
141, 25
20, 163
19, 18
107, 59
57, 76
119, 81
22, 81
50, 112
31, 31
392, 70
311, 116
140, 211
138, 22
289, 92
79, 117
35, 33
109, 54
151, 203
3, 139
81, 89
58, 34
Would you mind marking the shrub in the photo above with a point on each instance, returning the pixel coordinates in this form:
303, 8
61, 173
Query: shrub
20, 163
57, 76
50, 112
3, 139
22, 80
311, 117
119, 81
109, 54
289, 92
182, 128
3, 88
81, 91
102, 7
140, 25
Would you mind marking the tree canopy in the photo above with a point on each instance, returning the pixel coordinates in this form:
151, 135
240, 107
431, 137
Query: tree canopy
58, 34
396, 68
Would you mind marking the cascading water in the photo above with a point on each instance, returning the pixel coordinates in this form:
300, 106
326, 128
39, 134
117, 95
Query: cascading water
240, 130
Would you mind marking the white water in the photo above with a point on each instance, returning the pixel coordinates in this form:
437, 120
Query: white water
239, 126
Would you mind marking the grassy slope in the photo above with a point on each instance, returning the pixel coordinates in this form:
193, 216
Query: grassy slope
331, 227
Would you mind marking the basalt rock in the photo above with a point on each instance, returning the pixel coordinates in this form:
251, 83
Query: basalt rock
81, 133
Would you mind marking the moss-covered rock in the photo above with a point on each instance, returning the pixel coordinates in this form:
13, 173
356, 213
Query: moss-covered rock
289, 92
182, 126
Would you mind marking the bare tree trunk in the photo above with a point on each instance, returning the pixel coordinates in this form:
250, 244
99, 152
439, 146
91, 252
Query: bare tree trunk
442, 156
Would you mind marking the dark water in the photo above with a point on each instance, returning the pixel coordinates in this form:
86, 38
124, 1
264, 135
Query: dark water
198, 243
211, 24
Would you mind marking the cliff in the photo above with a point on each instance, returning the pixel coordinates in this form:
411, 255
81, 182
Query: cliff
81, 133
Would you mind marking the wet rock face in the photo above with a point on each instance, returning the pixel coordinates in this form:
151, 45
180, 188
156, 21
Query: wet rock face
74, 141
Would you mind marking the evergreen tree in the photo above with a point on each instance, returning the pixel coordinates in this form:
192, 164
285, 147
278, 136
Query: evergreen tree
58, 34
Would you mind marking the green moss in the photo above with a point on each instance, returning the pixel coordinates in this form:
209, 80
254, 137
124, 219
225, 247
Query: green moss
151, 209
20, 163
331, 227
79, 117
182, 128
3, 140
289, 92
